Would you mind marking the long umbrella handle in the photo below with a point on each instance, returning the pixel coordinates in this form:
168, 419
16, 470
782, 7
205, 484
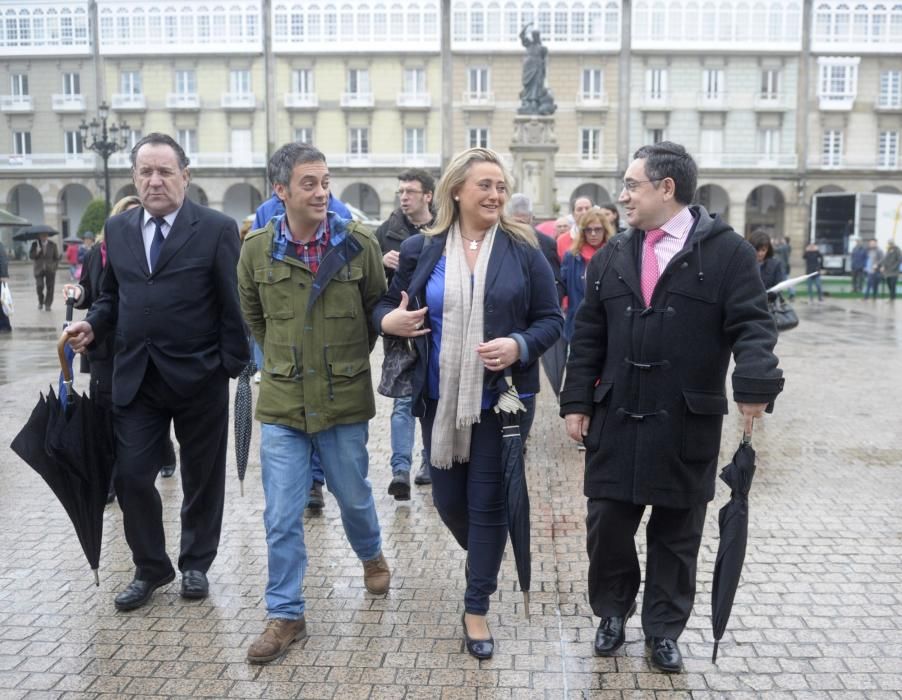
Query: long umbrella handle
64, 363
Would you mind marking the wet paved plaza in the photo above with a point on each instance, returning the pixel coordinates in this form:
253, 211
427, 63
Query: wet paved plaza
818, 613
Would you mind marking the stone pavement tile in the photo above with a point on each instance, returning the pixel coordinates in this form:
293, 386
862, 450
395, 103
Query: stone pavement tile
213, 689
145, 686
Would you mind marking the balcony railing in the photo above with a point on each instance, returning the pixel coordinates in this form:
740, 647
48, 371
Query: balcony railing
16, 103
712, 101
206, 160
852, 162
771, 101
238, 100
301, 100
48, 161
578, 161
655, 100
414, 100
385, 160
591, 100
183, 100
68, 103
358, 100
736, 161
836, 102
126, 102
479, 100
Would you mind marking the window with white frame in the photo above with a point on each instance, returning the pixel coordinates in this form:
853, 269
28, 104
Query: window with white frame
358, 141
18, 85
414, 141
185, 82
302, 81
656, 83
478, 80
414, 81
22, 143
71, 84
303, 134
768, 143
73, 143
592, 84
478, 137
831, 148
890, 89
240, 82
888, 149
358, 81
590, 144
130, 83
770, 84
711, 145
838, 78
132, 137
654, 135
187, 139
712, 83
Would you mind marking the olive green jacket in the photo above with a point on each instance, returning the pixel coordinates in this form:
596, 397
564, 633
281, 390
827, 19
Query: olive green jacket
315, 330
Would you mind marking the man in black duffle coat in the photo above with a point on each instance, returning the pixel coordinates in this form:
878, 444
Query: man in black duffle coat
645, 391
169, 293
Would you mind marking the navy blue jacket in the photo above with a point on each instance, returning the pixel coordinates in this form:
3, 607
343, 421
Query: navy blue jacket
520, 298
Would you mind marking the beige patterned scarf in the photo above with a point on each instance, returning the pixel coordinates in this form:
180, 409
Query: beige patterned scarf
460, 369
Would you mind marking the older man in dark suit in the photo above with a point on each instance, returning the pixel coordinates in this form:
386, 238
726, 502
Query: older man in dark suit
170, 296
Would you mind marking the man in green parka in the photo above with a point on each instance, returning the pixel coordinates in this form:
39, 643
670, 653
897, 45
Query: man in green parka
308, 282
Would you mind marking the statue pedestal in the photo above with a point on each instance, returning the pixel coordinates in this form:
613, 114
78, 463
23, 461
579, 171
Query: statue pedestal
533, 147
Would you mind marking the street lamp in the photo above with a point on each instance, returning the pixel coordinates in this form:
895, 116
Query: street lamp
105, 141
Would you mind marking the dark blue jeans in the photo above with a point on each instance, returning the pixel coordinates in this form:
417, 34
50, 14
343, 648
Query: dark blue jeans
469, 498
873, 286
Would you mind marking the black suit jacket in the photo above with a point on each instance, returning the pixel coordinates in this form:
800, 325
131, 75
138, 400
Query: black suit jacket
185, 315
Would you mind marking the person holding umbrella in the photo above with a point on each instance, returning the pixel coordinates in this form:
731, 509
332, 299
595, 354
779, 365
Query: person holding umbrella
170, 294
46, 257
667, 303
478, 298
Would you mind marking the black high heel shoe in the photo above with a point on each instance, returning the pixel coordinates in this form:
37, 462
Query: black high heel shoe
477, 648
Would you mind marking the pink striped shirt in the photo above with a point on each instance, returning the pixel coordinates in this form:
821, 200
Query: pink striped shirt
677, 230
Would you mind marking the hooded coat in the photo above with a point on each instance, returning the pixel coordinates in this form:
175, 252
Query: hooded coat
653, 379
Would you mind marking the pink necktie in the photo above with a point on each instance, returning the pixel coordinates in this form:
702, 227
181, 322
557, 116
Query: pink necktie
650, 271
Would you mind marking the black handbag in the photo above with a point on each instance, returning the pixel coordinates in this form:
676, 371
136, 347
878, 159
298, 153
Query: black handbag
397, 367
784, 315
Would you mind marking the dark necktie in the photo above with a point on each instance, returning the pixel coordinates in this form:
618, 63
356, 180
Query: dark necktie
157, 242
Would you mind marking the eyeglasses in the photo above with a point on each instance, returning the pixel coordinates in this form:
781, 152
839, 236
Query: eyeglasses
402, 192
633, 185
594, 230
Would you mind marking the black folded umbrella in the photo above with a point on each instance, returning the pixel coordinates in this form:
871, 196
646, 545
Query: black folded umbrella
734, 530
516, 496
70, 445
244, 420
554, 361
31, 233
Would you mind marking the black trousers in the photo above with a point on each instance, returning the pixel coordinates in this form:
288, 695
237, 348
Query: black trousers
673, 536
201, 427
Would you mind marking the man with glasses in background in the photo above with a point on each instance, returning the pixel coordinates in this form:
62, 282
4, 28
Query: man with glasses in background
415, 189
666, 305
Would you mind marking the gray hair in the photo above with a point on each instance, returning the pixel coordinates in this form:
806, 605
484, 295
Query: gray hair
519, 205
283, 162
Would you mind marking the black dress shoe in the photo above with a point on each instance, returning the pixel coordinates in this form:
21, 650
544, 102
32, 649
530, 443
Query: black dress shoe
194, 584
138, 592
611, 633
665, 654
477, 648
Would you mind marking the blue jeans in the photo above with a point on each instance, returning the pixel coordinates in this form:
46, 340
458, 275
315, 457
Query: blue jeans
403, 433
873, 286
286, 455
812, 283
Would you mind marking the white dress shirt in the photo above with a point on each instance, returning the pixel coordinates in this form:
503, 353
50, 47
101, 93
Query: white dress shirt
149, 228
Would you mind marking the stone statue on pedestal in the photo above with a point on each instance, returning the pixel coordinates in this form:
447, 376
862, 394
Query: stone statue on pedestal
535, 98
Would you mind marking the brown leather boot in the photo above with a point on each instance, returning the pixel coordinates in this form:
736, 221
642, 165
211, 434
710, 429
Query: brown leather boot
376, 575
275, 640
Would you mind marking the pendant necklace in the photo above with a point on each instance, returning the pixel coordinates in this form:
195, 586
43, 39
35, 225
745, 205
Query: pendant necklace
474, 243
